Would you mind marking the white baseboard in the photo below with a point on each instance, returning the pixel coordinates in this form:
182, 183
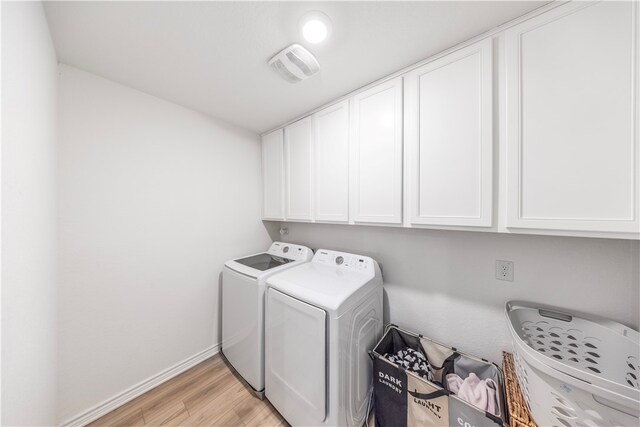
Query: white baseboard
125, 396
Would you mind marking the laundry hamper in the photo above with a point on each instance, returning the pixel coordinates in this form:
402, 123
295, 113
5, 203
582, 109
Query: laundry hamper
519, 415
575, 369
403, 398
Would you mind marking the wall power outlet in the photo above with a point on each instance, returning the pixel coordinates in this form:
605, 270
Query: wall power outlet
504, 270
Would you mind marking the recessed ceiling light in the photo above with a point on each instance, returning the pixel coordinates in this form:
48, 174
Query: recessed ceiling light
315, 27
314, 31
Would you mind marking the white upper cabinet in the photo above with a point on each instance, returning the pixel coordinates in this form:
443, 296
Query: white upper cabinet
376, 154
449, 139
572, 119
331, 131
273, 175
298, 143
418, 150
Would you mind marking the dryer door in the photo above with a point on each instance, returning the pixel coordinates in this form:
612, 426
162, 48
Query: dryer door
295, 359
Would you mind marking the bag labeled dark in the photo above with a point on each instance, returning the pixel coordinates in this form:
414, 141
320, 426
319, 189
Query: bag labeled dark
390, 394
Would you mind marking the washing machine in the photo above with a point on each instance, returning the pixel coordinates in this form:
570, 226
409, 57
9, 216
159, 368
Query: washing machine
321, 320
243, 288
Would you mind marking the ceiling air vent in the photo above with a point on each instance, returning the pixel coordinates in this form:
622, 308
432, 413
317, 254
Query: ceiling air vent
294, 63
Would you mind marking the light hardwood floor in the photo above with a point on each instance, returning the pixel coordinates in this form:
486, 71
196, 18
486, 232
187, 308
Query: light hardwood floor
206, 395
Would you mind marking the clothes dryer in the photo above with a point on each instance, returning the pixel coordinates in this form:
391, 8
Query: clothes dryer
321, 320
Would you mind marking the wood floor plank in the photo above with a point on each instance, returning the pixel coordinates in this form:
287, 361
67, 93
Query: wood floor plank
211, 393
163, 414
206, 395
192, 378
185, 388
129, 416
230, 418
126, 415
135, 419
270, 420
256, 418
249, 408
217, 408
164, 391
260, 418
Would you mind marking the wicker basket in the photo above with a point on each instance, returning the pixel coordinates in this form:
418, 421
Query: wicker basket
519, 415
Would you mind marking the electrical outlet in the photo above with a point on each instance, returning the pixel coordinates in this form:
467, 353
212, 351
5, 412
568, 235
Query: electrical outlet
504, 270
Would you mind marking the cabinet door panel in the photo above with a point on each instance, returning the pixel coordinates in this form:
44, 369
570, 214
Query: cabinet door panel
449, 139
273, 175
376, 155
297, 145
572, 117
331, 129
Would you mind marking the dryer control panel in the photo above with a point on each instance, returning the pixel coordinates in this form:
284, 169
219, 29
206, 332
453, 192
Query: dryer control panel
290, 251
345, 260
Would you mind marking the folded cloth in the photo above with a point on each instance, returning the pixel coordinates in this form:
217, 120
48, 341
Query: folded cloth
412, 360
453, 382
473, 390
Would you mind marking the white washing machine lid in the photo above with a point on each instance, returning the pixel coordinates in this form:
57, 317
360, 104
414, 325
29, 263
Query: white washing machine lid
278, 257
333, 281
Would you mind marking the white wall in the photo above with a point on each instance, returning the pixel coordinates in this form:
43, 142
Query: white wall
442, 283
153, 198
29, 85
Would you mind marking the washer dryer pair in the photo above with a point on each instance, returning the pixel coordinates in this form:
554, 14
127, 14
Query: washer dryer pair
321, 319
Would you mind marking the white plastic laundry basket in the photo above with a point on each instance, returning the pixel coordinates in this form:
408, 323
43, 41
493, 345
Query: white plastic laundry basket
575, 369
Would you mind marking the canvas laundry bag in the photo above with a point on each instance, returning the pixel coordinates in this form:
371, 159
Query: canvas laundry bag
403, 398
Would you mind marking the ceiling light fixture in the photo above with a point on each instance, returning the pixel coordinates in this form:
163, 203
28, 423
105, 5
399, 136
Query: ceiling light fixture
315, 27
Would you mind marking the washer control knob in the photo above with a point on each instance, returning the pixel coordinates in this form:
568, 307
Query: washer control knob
285, 249
339, 260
